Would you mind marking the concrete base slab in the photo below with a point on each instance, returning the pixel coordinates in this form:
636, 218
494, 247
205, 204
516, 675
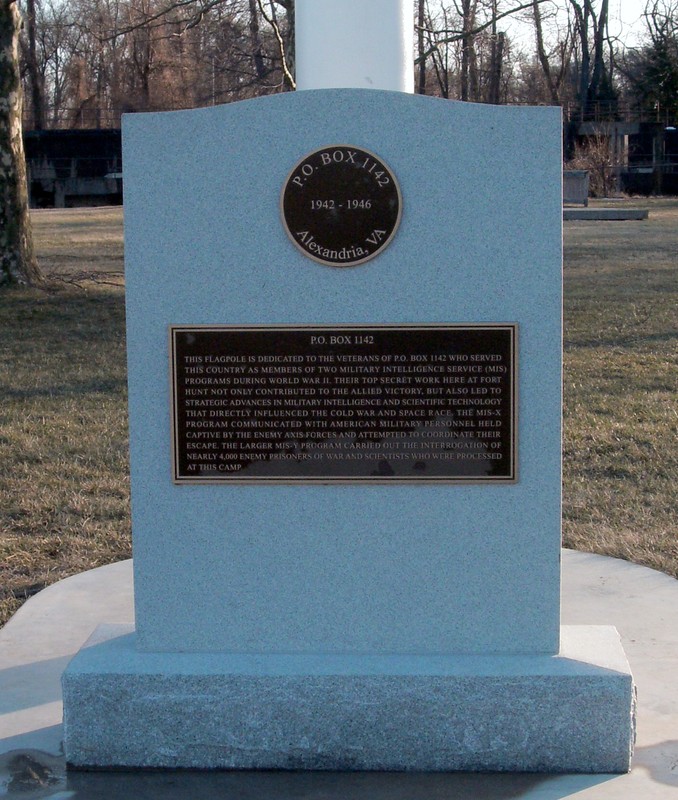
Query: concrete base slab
605, 213
568, 713
37, 643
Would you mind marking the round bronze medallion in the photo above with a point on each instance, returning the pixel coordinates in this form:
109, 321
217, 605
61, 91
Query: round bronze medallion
341, 205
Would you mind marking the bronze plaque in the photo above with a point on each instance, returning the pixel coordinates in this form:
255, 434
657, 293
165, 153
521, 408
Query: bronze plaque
341, 205
352, 404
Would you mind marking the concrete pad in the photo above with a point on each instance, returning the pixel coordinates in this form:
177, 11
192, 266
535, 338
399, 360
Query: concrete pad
53, 625
605, 213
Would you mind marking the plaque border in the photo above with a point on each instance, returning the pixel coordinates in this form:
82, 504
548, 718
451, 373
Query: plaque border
366, 480
385, 244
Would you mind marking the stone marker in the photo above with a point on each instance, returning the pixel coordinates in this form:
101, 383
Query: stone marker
346, 465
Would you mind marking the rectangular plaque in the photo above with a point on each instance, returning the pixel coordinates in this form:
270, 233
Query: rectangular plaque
348, 403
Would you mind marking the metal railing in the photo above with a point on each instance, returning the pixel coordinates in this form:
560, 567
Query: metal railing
601, 112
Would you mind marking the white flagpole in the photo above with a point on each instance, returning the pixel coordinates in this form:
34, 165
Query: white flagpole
357, 44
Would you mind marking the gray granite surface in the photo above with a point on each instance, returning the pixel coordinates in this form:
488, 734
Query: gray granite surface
570, 713
346, 569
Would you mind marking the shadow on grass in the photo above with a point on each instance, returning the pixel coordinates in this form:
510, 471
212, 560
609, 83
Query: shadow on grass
61, 345
631, 341
96, 314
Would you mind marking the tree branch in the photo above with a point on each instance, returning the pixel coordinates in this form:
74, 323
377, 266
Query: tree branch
281, 44
455, 35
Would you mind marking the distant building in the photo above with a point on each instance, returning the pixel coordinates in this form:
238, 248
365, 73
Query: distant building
642, 153
68, 168
652, 160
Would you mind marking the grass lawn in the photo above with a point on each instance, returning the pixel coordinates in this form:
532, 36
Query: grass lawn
64, 487
620, 445
64, 490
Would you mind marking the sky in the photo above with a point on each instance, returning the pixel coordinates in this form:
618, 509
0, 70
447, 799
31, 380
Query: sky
626, 19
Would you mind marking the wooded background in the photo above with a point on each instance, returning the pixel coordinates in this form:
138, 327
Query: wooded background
85, 62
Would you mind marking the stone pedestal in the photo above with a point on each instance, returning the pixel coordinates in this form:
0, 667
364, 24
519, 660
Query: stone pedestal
565, 713
421, 623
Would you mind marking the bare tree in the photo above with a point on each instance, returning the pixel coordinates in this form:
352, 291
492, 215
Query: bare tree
57, 39
651, 71
554, 65
467, 49
597, 157
421, 46
595, 92
32, 69
443, 56
17, 259
497, 53
97, 59
284, 35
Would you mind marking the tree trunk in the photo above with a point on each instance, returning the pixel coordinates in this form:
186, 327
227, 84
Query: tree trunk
469, 66
285, 37
583, 16
599, 91
17, 259
290, 44
541, 54
255, 42
33, 71
496, 67
421, 18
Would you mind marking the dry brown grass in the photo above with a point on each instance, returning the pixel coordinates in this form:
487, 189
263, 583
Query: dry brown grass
80, 243
64, 494
64, 491
621, 416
